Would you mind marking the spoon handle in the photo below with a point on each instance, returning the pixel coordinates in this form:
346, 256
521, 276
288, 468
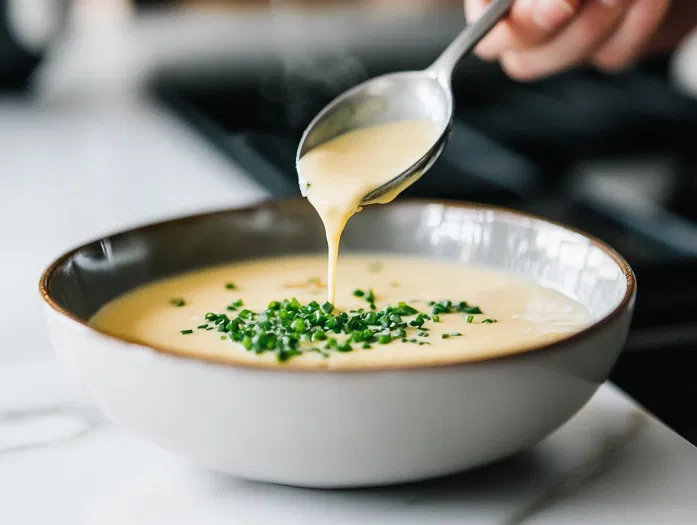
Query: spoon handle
446, 64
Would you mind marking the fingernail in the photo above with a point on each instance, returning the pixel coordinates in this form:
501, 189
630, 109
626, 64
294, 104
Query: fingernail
551, 14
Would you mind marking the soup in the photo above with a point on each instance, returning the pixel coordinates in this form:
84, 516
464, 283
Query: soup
394, 311
340, 172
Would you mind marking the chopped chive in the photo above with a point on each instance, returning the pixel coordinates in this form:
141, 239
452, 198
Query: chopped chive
439, 309
319, 336
405, 309
177, 301
358, 293
202, 326
186, 332
472, 310
489, 321
445, 336
455, 334
470, 318
447, 307
230, 286
385, 339
327, 307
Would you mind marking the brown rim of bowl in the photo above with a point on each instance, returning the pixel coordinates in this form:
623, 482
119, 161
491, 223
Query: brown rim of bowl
627, 300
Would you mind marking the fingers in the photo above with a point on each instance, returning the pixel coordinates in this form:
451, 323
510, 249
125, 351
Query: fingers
551, 15
530, 23
633, 35
573, 45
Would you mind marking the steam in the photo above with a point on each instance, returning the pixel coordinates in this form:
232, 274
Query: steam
315, 66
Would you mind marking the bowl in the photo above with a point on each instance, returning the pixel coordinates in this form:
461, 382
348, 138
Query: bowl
331, 429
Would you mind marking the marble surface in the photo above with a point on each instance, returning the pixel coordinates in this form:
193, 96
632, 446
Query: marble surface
70, 175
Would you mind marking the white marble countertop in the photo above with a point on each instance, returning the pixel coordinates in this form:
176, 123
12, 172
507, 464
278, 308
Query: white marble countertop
69, 175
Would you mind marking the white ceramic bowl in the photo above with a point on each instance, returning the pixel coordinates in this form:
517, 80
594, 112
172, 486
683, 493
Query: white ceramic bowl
352, 428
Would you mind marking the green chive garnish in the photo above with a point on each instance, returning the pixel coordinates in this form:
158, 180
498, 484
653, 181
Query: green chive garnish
177, 301
448, 307
290, 328
186, 332
345, 347
230, 286
327, 307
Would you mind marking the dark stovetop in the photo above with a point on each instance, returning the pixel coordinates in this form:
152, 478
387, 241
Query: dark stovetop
614, 156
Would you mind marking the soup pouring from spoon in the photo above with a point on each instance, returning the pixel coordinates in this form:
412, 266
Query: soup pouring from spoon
381, 136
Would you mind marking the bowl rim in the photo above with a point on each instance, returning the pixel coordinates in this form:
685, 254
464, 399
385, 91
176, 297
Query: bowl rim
290, 203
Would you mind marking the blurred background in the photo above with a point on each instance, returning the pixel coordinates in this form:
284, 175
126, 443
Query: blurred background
614, 155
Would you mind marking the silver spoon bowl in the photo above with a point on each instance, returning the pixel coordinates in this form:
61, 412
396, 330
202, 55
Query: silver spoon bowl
408, 95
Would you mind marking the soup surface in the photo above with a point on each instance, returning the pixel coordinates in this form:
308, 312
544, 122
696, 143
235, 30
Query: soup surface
340, 172
515, 314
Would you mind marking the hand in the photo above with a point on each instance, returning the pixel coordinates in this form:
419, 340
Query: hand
543, 37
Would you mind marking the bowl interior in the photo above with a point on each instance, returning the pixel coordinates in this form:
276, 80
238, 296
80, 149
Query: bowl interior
88, 277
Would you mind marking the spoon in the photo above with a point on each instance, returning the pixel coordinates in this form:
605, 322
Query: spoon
407, 95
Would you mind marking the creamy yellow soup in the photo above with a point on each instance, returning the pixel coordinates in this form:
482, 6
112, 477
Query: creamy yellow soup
340, 172
526, 314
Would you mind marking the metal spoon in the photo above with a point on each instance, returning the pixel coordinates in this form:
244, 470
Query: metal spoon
406, 95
